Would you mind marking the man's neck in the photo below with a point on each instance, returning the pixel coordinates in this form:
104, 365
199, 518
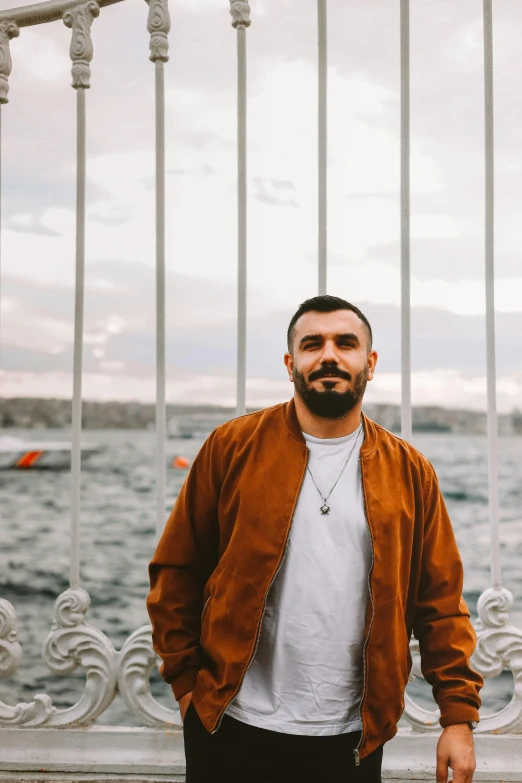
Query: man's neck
326, 428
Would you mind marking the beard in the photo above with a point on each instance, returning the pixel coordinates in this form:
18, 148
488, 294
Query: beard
330, 404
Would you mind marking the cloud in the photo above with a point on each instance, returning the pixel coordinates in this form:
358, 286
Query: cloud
276, 184
205, 169
207, 140
39, 165
29, 224
117, 216
369, 196
274, 191
453, 259
265, 198
201, 327
447, 171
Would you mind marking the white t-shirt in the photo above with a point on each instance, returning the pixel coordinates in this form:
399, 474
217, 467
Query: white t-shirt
306, 676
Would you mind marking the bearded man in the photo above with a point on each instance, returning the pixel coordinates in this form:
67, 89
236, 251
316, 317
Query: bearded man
305, 547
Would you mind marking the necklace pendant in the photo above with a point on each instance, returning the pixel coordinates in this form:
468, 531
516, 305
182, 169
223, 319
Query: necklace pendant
325, 509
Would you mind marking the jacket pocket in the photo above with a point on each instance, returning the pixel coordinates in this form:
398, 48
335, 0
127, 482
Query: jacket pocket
204, 615
228, 627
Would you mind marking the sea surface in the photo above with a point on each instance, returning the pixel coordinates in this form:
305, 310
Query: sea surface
118, 539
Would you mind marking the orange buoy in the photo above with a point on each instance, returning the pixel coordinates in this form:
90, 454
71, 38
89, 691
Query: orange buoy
180, 462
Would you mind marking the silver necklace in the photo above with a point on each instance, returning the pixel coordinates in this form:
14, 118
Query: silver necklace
325, 508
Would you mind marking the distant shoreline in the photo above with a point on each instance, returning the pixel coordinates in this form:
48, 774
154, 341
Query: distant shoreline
43, 413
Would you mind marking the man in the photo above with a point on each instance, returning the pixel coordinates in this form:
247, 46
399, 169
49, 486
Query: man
305, 546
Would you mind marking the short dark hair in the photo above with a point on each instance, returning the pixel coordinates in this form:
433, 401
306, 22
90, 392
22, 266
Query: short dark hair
325, 304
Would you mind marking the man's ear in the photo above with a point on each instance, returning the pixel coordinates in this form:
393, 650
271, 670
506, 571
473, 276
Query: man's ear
372, 369
288, 360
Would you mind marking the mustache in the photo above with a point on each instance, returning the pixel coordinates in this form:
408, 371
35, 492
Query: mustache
333, 371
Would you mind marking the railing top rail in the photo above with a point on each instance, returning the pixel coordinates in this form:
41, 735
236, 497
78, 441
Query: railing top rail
49, 11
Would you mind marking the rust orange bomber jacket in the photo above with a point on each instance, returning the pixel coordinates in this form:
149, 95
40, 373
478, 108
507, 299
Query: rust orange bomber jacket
225, 540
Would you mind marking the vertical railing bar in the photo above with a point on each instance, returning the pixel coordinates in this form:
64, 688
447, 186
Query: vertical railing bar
241, 226
496, 577
9, 30
161, 409
240, 12
322, 120
79, 20
76, 424
158, 25
406, 416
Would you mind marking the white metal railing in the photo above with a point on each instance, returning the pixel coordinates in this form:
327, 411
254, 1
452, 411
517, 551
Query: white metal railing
322, 130
406, 419
240, 12
158, 26
490, 300
72, 641
79, 19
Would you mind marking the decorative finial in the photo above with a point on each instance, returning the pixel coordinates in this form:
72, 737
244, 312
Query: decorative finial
240, 12
80, 20
158, 25
8, 30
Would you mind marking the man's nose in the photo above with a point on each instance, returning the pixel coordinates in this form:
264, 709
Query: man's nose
329, 354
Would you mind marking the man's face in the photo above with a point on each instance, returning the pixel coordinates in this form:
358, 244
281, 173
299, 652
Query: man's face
331, 365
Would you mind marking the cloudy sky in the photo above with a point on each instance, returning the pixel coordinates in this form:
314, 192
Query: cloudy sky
38, 199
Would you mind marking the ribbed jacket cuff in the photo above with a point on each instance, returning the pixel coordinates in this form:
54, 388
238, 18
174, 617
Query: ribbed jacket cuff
456, 711
184, 682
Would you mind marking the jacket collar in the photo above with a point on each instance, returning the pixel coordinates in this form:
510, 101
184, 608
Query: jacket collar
292, 424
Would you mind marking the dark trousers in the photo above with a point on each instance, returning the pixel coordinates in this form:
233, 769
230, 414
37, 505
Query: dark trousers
240, 753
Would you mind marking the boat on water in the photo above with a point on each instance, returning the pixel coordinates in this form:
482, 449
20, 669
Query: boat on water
19, 454
190, 428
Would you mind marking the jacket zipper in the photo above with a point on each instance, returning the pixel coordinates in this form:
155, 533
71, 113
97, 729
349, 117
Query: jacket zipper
356, 751
264, 604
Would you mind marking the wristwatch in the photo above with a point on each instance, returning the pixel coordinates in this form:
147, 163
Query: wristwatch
472, 724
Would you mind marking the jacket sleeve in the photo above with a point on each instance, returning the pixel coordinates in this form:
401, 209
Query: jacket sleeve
184, 559
442, 622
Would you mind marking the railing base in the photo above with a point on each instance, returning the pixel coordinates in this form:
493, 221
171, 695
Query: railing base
94, 753
104, 754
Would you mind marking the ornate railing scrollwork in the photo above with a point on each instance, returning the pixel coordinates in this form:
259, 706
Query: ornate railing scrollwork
28, 15
73, 642
25, 713
10, 648
499, 647
240, 12
8, 30
158, 25
80, 20
136, 661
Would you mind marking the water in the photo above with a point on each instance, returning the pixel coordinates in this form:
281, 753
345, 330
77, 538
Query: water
118, 540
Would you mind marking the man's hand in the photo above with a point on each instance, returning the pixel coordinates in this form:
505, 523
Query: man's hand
455, 749
184, 703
